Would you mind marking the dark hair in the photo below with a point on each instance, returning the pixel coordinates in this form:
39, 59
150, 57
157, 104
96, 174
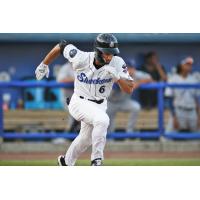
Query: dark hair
178, 68
149, 55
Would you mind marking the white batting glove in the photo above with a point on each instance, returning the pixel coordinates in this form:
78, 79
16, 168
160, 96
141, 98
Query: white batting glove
41, 71
113, 72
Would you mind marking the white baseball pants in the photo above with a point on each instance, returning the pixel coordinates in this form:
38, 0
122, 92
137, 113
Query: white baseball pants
94, 124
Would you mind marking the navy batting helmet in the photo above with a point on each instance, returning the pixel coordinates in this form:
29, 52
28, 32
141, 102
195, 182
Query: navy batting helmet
105, 43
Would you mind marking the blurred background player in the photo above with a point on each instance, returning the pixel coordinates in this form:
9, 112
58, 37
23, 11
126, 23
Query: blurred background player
121, 101
184, 105
66, 75
152, 66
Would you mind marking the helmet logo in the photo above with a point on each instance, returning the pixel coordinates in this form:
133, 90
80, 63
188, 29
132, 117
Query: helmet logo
112, 44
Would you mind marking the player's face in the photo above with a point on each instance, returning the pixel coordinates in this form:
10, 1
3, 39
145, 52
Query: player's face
187, 67
107, 57
153, 60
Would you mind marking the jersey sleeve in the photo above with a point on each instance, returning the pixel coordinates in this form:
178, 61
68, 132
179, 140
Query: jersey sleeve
75, 56
121, 67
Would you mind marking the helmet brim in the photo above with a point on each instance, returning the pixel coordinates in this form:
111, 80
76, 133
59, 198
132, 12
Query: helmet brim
113, 51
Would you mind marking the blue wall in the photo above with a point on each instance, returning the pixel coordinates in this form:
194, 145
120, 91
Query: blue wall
170, 53
24, 56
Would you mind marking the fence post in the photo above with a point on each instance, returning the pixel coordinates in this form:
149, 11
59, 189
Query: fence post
1, 114
161, 109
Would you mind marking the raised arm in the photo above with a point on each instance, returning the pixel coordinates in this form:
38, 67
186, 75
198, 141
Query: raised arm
43, 69
161, 72
52, 55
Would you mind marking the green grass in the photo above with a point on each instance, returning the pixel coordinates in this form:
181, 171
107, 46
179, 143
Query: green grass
113, 162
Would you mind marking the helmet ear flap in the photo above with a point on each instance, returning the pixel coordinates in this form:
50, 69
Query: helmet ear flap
98, 57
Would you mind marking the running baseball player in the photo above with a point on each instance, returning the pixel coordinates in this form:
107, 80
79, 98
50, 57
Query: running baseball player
95, 74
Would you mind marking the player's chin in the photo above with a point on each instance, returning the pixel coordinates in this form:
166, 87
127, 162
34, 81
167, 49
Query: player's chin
107, 62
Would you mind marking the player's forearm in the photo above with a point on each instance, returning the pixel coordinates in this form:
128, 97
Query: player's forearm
162, 74
126, 85
52, 55
143, 81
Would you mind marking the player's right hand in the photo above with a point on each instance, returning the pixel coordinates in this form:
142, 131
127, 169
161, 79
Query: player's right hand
41, 71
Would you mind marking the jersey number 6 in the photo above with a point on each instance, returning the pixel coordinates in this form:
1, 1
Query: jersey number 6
102, 89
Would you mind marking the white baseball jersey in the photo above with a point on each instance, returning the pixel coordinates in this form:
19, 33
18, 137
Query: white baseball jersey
183, 97
91, 82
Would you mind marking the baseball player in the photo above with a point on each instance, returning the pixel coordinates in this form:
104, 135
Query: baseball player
184, 104
95, 74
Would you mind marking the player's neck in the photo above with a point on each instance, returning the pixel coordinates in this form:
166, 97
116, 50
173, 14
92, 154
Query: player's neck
184, 74
97, 64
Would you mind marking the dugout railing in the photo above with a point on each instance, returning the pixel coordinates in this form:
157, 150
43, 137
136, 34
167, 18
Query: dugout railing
119, 135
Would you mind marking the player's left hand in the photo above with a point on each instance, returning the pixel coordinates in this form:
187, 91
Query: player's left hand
41, 71
113, 72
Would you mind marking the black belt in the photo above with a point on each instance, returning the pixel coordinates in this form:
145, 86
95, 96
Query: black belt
187, 109
95, 101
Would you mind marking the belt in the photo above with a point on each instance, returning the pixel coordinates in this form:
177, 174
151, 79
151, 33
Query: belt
95, 101
187, 109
